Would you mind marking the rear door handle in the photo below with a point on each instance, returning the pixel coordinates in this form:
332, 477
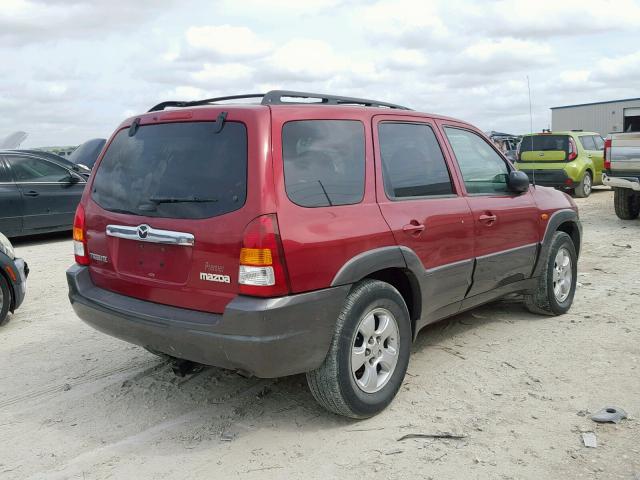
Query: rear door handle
414, 227
489, 219
31, 193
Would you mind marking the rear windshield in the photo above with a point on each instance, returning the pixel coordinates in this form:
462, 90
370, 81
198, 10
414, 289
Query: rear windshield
175, 170
323, 162
545, 143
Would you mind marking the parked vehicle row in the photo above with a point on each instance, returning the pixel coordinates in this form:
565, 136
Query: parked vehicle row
292, 237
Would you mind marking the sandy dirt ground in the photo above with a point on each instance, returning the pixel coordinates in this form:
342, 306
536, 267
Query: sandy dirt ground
77, 404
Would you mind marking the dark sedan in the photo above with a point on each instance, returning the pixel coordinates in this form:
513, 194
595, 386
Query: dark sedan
39, 192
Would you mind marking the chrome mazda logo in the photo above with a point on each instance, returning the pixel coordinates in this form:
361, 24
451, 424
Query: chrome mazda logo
143, 231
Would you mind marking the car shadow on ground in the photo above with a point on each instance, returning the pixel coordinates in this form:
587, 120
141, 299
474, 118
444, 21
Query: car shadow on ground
40, 239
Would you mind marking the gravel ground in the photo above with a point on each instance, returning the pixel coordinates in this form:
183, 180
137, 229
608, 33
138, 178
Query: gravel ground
75, 403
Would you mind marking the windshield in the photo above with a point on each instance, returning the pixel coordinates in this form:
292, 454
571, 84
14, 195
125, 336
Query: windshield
545, 143
87, 153
175, 170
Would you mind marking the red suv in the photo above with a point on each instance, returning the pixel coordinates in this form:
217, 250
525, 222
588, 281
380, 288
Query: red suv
309, 233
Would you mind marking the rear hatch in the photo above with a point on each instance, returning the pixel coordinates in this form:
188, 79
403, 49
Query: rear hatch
169, 204
625, 153
544, 148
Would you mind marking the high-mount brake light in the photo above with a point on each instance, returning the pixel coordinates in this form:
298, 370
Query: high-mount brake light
262, 271
80, 237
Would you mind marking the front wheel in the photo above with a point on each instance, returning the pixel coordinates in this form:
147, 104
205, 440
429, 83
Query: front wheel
556, 285
5, 300
583, 190
626, 203
369, 353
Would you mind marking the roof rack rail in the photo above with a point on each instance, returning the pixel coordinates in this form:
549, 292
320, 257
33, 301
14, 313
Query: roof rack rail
275, 97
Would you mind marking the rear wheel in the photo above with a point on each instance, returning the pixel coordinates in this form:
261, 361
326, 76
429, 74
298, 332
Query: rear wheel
585, 186
626, 203
557, 282
369, 353
5, 300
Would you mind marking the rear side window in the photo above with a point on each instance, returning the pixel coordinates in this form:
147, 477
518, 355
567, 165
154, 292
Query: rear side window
588, 142
36, 170
483, 170
175, 170
5, 176
323, 162
412, 162
545, 143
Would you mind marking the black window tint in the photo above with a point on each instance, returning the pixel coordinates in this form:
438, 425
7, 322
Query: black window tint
323, 162
483, 170
175, 170
599, 142
587, 142
30, 169
545, 143
5, 175
412, 162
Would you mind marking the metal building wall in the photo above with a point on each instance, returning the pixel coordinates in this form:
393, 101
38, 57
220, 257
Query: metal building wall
602, 118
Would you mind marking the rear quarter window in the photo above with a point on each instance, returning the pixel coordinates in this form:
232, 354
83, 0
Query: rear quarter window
323, 162
174, 170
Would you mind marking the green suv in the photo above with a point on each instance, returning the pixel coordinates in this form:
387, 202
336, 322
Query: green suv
572, 161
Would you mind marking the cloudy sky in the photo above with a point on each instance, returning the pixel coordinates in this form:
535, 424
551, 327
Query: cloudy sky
72, 70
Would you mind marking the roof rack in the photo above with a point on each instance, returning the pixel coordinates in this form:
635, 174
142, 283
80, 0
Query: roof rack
275, 97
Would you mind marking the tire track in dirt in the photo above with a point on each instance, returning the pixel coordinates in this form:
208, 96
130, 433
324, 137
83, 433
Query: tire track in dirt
52, 389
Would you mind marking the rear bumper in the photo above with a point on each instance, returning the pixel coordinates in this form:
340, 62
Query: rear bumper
622, 182
549, 178
268, 338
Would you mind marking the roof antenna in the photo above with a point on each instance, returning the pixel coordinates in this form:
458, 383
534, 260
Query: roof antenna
531, 128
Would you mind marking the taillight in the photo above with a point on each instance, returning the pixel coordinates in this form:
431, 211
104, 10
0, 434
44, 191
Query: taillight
262, 270
607, 154
80, 237
573, 150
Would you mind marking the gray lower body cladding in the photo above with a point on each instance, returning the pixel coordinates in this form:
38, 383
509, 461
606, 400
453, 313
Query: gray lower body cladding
548, 178
266, 337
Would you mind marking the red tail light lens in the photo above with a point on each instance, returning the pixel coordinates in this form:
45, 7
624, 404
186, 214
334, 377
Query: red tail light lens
607, 154
262, 270
80, 237
573, 150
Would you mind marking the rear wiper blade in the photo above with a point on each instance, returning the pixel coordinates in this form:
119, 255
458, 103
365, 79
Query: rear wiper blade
192, 199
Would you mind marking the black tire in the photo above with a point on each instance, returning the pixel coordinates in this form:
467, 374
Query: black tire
626, 203
333, 384
543, 300
5, 301
584, 188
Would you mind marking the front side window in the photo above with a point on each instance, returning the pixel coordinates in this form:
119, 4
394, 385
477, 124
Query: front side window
175, 170
35, 170
412, 162
323, 162
599, 142
483, 170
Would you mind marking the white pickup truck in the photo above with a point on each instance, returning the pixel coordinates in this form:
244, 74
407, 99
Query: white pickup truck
622, 172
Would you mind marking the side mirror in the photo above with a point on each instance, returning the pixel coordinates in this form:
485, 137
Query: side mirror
71, 179
518, 181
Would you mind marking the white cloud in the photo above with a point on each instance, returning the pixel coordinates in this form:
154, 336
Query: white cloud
308, 58
227, 40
